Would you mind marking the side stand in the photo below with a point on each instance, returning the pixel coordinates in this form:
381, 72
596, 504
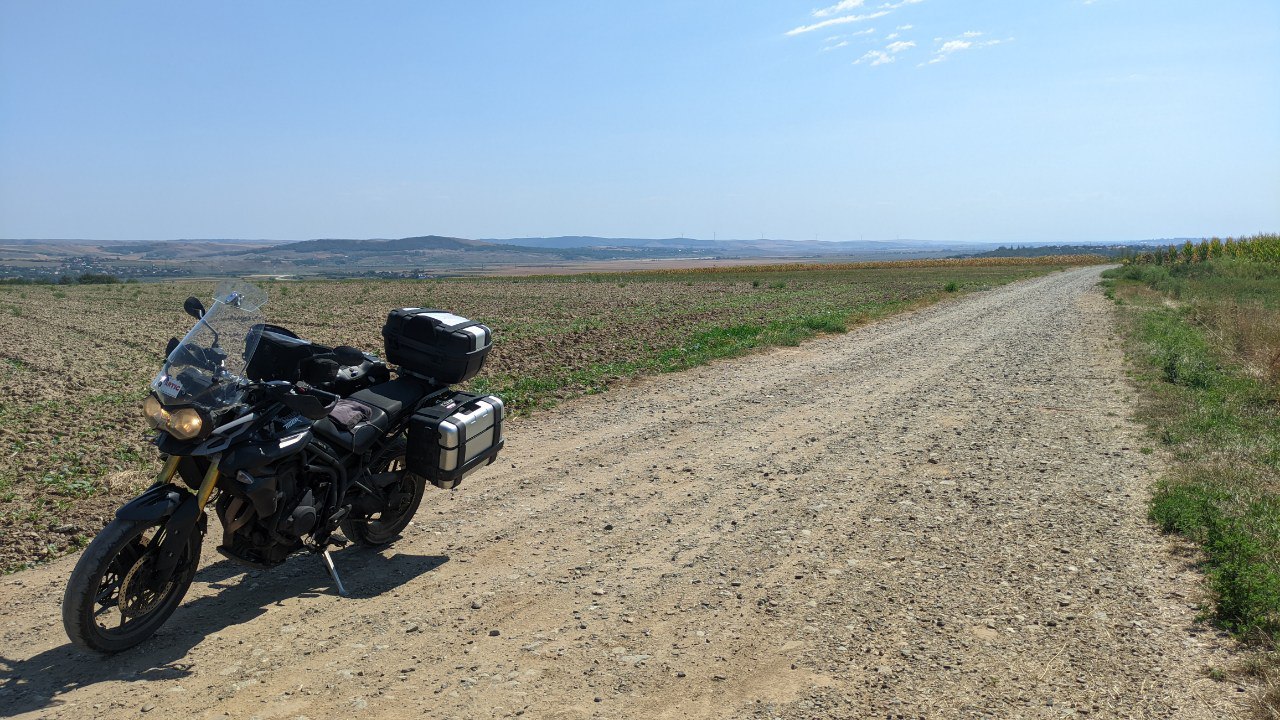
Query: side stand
333, 573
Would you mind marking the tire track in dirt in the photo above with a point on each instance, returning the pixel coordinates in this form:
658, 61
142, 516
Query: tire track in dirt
940, 515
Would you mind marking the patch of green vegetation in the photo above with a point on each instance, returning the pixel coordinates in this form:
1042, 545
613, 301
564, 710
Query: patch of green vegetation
1200, 336
69, 481
1240, 541
1178, 350
951, 286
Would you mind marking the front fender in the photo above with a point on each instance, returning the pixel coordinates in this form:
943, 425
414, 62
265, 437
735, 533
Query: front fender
157, 502
181, 514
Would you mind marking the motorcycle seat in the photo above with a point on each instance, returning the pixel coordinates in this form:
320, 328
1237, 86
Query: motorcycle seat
387, 401
392, 397
360, 437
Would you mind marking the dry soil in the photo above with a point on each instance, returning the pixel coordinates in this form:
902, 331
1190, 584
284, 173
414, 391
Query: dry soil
940, 515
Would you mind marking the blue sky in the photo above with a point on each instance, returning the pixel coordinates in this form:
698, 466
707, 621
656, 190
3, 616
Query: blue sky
934, 119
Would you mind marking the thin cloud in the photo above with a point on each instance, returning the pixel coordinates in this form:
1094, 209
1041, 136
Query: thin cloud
874, 58
840, 7
856, 33
886, 56
904, 27
836, 21
951, 47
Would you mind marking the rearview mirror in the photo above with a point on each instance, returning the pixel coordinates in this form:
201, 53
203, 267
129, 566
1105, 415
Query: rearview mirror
194, 307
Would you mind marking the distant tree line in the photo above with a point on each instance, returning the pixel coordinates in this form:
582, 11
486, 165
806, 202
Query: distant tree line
1043, 250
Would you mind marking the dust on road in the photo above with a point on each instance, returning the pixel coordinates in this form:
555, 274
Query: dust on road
941, 515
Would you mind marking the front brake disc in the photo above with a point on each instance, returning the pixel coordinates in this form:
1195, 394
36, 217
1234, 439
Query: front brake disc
136, 598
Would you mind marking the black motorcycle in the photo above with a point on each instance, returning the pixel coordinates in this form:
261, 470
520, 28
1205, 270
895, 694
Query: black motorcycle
291, 442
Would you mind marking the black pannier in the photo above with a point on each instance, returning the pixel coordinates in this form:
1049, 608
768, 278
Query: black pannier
435, 344
450, 440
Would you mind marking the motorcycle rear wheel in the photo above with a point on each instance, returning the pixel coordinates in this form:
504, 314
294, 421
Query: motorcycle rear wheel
108, 606
384, 527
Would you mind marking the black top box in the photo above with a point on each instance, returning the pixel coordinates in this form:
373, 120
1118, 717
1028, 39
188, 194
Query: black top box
435, 344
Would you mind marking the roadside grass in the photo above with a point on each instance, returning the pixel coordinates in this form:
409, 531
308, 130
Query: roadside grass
1204, 340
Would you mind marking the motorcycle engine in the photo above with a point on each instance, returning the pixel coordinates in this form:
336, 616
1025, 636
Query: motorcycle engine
265, 516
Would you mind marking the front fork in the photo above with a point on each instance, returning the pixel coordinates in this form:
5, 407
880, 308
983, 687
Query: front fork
184, 519
210, 481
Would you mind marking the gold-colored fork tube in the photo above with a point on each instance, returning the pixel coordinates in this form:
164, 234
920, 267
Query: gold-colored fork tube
166, 472
206, 486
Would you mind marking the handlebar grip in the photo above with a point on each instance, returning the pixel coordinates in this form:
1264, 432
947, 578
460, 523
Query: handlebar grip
327, 398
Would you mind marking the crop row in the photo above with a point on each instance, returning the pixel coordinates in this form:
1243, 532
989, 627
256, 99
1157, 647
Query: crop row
1258, 248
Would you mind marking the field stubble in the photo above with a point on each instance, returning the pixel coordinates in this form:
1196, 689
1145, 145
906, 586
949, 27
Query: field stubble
77, 360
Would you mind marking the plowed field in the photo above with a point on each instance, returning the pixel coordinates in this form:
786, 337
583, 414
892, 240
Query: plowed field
76, 360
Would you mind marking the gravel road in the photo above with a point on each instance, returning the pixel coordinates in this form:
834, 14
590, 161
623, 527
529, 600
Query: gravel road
939, 515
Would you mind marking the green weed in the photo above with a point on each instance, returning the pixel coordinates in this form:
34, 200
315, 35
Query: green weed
1219, 415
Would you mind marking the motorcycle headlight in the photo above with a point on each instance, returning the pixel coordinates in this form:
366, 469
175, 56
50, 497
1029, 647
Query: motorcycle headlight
184, 424
157, 416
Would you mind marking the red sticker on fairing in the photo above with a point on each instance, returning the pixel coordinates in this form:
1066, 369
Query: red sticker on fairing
170, 387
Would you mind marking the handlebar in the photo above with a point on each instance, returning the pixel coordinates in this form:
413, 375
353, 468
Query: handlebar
327, 398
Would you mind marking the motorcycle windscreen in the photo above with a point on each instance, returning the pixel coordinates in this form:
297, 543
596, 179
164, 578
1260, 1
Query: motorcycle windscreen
208, 367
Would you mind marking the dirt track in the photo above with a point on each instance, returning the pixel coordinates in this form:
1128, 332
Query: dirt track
941, 515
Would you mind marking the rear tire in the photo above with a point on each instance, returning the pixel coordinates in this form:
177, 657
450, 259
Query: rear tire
384, 527
107, 607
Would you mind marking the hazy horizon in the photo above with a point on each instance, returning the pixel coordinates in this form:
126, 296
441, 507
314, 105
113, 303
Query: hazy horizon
919, 241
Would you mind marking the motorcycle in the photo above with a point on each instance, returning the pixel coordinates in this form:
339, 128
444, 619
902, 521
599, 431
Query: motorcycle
295, 446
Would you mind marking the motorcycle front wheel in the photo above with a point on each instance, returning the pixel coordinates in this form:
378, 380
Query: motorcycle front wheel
109, 604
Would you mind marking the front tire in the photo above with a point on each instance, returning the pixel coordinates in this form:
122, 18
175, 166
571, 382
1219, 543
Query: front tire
107, 606
383, 527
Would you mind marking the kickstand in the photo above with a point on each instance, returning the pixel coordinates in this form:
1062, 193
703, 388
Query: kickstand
333, 573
